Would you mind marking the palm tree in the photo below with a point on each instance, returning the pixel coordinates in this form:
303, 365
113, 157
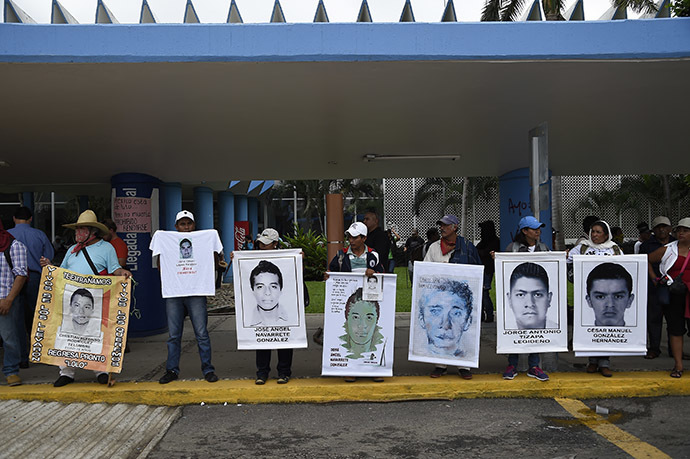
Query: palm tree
455, 196
314, 192
509, 10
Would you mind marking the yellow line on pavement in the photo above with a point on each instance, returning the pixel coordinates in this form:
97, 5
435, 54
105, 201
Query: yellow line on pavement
622, 439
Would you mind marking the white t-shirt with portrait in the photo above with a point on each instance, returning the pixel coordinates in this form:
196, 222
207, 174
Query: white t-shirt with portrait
187, 264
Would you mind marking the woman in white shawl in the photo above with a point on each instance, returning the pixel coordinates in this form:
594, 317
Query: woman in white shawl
598, 243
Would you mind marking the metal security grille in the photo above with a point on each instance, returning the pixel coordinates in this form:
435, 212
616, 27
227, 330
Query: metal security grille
398, 208
399, 196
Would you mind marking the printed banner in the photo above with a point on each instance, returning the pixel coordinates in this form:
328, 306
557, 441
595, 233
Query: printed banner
610, 294
358, 334
81, 320
446, 313
531, 303
269, 299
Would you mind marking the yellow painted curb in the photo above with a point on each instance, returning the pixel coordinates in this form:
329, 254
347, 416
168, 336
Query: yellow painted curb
324, 390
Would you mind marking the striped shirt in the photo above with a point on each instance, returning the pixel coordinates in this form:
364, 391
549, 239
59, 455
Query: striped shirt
19, 260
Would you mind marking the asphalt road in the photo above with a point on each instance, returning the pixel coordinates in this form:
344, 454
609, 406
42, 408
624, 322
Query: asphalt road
461, 428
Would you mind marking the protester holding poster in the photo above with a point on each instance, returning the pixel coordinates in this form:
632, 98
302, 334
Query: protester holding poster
452, 248
188, 261
91, 255
528, 295
357, 257
610, 314
446, 314
600, 242
270, 313
358, 333
675, 274
531, 308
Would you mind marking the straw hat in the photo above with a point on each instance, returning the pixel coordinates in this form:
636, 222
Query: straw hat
88, 218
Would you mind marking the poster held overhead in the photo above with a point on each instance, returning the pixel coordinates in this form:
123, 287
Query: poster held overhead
359, 334
531, 303
446, 314
269, 299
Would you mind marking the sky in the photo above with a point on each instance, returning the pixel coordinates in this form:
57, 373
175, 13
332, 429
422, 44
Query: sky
259, 11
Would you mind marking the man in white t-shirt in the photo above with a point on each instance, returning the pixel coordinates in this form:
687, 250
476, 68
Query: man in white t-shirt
187, 266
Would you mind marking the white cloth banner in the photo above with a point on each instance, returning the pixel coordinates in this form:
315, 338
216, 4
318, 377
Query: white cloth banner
358, 334
610, 294
531, 303
446, 313
269, 299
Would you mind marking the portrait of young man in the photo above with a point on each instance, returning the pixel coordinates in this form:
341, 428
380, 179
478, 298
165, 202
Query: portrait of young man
445, 315
609, 294
529, 298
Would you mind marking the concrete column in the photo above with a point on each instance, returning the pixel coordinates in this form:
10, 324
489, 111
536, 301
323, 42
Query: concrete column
140, 192
514, 193
226, 223
241, 209
171, 204
253, 213
335, 229
203, 207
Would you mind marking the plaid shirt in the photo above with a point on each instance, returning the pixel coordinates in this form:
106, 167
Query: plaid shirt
19, 260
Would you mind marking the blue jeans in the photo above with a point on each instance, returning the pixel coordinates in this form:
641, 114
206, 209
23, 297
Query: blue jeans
602, 362
10, 338
196, 308
532, 360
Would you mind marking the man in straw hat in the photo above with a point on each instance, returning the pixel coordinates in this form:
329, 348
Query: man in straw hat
88, 233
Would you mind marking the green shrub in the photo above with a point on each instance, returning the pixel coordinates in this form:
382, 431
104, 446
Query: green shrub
314, 247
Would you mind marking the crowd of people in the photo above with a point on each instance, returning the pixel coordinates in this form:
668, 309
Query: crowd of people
98, 250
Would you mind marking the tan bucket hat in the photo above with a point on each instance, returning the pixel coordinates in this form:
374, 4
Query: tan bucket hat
88, 218
685, 223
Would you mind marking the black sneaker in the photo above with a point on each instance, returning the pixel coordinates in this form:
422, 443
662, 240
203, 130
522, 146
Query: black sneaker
438, 372
282, 379
167, 377
211, 377
63, 381
102, 378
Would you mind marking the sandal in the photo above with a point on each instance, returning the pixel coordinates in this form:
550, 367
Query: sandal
676, 373
651, 355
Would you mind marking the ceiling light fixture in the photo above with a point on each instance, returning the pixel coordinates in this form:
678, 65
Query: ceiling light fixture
372, 157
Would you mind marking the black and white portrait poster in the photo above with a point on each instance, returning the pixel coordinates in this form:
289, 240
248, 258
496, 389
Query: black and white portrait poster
269, 299
531, 303
610, 296
358, 334
446, 313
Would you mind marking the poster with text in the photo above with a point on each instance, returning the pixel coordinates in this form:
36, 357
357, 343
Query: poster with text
531, 303
446, 313
269, 299
610, 296
358, 334
80, 320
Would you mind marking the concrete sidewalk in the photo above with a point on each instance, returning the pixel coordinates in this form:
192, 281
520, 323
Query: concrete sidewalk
633, 376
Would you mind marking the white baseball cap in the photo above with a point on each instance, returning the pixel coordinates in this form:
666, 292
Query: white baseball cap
268, 236
184, 214
357, 229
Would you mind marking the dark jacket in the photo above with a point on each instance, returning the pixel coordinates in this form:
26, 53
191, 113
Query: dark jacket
465, 253
341, 262
379, 241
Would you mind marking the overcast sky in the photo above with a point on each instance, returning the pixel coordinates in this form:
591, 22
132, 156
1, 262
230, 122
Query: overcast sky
257, 11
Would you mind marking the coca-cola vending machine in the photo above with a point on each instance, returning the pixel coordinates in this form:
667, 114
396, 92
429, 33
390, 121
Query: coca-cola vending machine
241, 232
